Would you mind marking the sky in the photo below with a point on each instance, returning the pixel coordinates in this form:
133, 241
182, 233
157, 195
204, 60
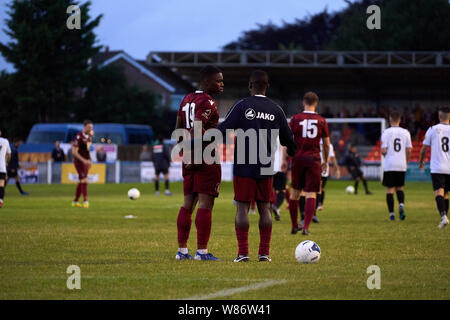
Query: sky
141, 26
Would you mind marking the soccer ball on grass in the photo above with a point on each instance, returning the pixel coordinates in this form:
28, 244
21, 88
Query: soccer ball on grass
350, 190
307, 252
134, 194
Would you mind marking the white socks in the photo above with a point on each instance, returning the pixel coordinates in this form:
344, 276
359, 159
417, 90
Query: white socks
200, 251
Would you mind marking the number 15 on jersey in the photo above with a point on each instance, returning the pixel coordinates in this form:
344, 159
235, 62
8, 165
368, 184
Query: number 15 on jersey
310, 129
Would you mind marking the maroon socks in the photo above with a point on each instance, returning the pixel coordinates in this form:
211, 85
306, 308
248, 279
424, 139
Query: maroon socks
242, 238
264, 240
184, 222
310, 208
293, 210
203, 224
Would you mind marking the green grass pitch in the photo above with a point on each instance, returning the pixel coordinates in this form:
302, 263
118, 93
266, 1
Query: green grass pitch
41, 235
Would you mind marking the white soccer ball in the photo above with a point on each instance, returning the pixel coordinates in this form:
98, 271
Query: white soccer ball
307, 252
350, 190
134, 194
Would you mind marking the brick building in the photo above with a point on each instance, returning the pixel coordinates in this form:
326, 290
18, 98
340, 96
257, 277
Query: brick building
169, 86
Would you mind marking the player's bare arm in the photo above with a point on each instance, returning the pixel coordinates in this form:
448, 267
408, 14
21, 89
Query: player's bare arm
325, 153
284, 160
189, 154
287, 137
408, 154
76, 155
423, 152
179, 123
336, 167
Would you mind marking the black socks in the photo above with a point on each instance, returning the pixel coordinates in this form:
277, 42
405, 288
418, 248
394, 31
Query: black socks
19, 187
401, 196
301, 205
166, 183
365, 185
441, 206
280, 199
390, 202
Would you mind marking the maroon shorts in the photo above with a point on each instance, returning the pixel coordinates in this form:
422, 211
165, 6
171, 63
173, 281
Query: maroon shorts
249, 189
306, 174
204, 180
82, 169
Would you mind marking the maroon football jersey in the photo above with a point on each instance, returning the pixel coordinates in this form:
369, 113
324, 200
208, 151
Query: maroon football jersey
83, 142
308, 128
199, 105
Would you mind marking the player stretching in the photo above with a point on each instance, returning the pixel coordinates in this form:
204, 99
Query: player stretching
396, 149
308, 128
438, 138
200, 182
253, 180
82, 161
5, 155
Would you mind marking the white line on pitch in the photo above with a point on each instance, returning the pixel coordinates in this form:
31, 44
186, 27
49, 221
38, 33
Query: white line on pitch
229, 292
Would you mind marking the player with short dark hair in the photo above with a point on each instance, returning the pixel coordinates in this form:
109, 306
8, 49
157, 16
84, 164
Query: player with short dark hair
82, 161
396, 149
13, 167
201, 183
254, 180
308, 128
5, 156
438, 138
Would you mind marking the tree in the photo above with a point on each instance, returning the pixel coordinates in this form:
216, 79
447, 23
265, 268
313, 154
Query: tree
418, 25
10, 120
50, 60
311, 33
406, 25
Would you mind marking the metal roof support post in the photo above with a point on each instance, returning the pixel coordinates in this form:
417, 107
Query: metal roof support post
438, 59
243, 58
340, 59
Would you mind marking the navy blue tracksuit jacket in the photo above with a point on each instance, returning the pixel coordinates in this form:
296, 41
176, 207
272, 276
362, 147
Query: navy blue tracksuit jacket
257, 112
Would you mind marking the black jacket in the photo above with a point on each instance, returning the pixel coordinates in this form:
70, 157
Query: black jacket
352, 160
160, 156
58, 155
258, 112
